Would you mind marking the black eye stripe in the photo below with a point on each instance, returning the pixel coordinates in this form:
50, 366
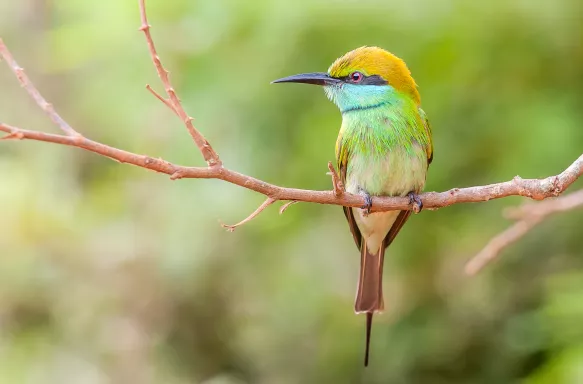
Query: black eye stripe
367, 80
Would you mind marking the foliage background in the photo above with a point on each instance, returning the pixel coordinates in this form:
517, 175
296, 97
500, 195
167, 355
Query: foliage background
112, 274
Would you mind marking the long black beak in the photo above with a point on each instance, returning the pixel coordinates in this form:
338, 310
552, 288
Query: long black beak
317, 78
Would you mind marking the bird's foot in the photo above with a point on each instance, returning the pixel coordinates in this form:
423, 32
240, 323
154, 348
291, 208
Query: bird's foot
367, 201
415, 201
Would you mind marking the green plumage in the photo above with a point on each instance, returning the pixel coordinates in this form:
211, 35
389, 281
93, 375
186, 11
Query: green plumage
398, 126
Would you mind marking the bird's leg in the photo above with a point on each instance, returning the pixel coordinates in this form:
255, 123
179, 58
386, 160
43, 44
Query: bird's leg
415, 201
367, 200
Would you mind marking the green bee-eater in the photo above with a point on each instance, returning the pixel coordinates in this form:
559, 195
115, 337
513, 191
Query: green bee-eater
383, 149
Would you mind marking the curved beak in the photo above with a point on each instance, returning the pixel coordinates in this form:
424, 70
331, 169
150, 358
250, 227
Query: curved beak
317, 78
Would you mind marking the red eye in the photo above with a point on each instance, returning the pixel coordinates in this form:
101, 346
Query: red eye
356, 77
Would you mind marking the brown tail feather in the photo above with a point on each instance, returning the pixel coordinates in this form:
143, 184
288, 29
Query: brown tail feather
369, 296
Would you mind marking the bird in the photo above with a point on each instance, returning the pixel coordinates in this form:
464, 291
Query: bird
384, 148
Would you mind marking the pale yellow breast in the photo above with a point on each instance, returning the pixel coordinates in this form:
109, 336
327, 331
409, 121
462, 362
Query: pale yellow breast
397, 174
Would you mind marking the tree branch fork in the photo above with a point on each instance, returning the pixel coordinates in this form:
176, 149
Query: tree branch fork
537, 189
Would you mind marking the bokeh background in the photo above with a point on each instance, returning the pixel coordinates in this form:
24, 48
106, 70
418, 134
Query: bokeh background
114, 274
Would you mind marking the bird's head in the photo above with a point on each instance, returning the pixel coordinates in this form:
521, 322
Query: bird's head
363, 78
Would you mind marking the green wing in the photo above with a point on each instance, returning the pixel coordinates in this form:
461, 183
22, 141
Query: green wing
342, 163
404, 215
427, 127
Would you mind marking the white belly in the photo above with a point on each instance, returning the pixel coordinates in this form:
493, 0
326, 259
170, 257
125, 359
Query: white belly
397, 174
374, 227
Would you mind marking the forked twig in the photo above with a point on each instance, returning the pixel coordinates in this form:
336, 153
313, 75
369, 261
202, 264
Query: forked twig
173, 102
336, 181
536, 189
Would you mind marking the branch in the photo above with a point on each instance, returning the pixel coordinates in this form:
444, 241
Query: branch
529, 216
159, 97
33, 92
336, 182
537, 189
265, 204
286, 206
173, 102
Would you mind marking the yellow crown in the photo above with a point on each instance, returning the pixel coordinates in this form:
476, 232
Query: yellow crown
376, 61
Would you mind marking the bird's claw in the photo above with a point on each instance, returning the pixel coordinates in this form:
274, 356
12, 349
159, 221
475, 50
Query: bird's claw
415, 201
367, 202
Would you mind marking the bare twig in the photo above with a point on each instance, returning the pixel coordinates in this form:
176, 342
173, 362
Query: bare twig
537, 189
159, 97
33, 92
265, 204
13, 134
336, 182
497, 244
286, 206
173, 102
528, 215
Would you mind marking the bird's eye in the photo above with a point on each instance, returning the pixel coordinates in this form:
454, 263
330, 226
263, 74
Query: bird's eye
356, 77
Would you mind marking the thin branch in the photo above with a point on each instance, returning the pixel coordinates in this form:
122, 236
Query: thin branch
529, 216
533, 188
336, 182
159, 97
537, 189
265, 204
33, 92
286, 206
13, 134
545, 208
497, 244
173, 102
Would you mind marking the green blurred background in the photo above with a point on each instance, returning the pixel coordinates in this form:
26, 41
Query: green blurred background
114, 274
